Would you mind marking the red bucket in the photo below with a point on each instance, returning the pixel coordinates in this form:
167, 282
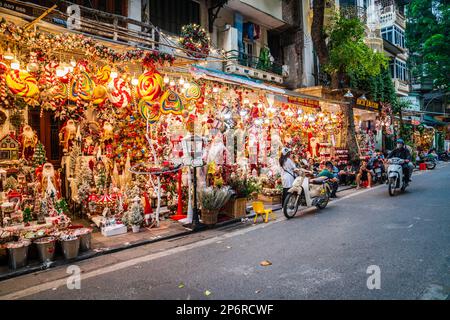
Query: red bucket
422, 166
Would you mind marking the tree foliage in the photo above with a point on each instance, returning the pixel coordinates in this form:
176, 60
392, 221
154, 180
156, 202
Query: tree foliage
349, 56
428, 40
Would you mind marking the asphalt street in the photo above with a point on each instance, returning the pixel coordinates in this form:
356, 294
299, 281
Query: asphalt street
320, 255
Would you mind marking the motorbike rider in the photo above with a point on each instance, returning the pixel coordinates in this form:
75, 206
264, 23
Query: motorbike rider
402, 152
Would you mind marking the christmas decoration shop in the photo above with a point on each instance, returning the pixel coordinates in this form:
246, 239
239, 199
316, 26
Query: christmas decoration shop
130, 139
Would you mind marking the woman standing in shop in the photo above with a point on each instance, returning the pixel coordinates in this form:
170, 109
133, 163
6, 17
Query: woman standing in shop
288, 171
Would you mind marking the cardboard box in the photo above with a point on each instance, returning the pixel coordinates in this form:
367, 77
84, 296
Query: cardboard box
114, 230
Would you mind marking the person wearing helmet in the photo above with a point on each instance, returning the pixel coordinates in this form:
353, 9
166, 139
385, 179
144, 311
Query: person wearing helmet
403, 153
288, 171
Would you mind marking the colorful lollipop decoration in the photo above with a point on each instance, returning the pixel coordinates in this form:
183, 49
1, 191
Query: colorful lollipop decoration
82, 86
22, 84
119, 93
150, 85
100, 95
193, 92
150, 110
103, 75
171, 103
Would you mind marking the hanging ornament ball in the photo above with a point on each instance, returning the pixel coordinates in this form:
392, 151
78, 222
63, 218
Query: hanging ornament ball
32, 67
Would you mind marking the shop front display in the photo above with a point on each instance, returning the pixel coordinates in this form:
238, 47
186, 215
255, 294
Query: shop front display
137, 139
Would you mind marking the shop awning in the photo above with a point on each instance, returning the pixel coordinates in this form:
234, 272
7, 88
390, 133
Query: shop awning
217, 75
430, 120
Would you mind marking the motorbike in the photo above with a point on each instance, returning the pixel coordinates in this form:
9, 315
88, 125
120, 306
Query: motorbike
444, 156
306, 192
429, 160
377, 170
396, 179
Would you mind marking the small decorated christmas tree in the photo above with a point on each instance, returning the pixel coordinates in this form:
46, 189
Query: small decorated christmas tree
27, 215
39, 156
43, 211
135, 215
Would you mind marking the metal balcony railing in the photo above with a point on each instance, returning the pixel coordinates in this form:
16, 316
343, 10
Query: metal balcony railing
246, 60
351, 11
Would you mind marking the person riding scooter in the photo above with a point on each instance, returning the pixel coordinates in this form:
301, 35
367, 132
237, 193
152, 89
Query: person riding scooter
403, 153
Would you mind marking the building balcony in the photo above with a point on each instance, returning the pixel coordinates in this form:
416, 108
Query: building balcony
350, 11
268, 12
390, 16
401, 87
243, 64
421, 84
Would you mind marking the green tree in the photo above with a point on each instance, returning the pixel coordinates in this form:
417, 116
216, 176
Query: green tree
39, 156
428, 40
344, 57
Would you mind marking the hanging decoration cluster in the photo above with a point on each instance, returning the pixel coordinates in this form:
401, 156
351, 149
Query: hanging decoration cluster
195, 39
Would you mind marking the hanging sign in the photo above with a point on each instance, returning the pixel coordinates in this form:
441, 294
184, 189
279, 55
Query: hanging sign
367, 105
304, 102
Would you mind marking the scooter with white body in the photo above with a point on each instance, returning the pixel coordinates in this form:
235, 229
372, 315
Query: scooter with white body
306, 192
396, 179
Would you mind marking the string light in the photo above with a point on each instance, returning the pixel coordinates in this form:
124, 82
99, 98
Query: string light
60, 71
134, 81
15, 64
114, 74
166, 79
73, 62
8, 55
186, 85
172, 83
181, 81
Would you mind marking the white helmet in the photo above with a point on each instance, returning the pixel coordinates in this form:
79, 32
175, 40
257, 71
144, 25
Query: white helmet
285, 151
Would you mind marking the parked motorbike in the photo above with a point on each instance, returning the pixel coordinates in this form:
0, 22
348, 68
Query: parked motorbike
396, 179
378, 171
444, 156
306, 192
429, 160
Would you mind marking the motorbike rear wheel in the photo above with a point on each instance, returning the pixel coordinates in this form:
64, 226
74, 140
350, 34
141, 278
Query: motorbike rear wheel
290, 205
324, 199
391, 186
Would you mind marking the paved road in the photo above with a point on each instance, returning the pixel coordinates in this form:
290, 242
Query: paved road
316, 256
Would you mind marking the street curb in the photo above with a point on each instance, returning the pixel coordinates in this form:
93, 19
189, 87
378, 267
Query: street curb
94, 254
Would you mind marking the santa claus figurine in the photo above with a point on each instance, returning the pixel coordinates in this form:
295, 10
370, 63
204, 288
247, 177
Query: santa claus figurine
29, 140
49, 180
68, 134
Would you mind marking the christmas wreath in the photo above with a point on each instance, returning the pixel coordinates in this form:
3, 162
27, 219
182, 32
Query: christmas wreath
195, 39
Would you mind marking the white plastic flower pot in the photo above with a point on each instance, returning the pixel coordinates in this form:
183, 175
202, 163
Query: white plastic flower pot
136, 228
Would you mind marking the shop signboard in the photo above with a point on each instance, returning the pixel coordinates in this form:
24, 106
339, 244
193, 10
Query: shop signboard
12, 5
368, 105
299, 101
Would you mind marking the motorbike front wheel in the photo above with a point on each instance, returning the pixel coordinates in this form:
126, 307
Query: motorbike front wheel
290, 205
391, 186
431, 165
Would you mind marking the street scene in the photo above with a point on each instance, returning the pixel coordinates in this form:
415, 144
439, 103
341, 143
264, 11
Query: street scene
318, 255
219, 150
